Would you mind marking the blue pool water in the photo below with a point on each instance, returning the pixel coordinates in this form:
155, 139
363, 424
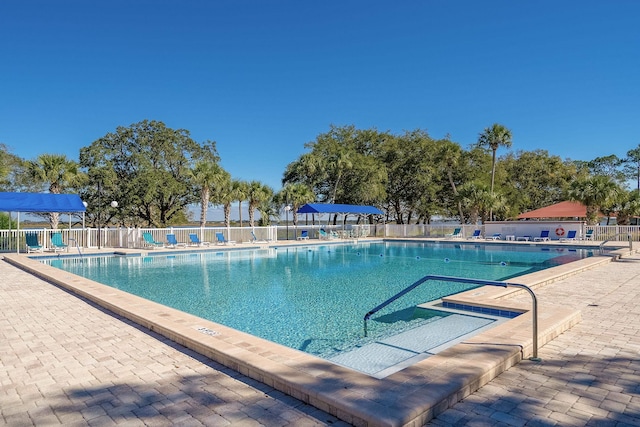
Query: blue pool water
314, 298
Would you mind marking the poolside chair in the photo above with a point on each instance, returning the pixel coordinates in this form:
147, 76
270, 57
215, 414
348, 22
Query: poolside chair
544, 236
195, 240
150, 242
476, 234
588, 235
456, 234
327, 235
254, 239
56, 242
220, 240
172, 242
32, 243
304, 235
571, 235
494, 236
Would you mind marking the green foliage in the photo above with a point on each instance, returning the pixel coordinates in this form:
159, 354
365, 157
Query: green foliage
598, 193
147, 169
6, 222
532, 179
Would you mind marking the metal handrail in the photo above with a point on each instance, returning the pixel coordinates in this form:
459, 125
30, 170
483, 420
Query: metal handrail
471, 281
77, 245
601, 247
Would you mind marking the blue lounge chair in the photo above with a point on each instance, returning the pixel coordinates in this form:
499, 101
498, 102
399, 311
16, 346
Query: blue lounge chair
304, 235
588, 235
150, 242
56, 242
476, 234
456, 234
220, 240
173, 242
544, 236
571, 235
494, 236
32, 243
195, 240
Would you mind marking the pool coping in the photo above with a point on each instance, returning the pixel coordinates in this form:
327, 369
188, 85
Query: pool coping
406, 398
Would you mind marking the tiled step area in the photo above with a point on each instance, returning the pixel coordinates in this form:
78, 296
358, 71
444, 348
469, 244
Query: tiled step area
392, 354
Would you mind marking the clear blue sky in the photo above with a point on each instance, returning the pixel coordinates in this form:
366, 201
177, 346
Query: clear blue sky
261, 78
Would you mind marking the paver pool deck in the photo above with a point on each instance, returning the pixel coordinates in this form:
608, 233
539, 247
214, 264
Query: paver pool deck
67, 361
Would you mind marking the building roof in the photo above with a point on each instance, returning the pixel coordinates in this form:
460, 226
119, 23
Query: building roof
566, 209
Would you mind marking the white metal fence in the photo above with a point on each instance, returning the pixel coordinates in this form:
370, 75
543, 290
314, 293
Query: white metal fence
12, 240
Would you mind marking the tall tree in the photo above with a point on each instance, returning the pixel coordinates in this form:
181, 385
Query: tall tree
224, 195
258, 194
208, 176
494, 137
295, 195
595, 192
55, 172
152, 165
241, 192
632, 165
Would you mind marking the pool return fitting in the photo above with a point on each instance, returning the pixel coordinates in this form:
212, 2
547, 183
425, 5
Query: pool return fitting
427, 278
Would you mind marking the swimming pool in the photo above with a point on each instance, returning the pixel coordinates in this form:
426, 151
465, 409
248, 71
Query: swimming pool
313, 298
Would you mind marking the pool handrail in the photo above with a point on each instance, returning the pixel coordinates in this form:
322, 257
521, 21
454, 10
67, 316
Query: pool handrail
408, 289
601, 246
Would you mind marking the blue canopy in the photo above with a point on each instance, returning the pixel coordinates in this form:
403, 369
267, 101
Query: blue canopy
317, 208
40, 202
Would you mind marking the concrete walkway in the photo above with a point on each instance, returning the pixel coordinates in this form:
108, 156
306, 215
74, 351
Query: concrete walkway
589, 376
66, 362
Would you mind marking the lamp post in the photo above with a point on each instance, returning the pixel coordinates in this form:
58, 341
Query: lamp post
114, 205
286, 210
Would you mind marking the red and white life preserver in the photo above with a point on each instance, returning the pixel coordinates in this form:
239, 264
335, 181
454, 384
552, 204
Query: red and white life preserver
560, 231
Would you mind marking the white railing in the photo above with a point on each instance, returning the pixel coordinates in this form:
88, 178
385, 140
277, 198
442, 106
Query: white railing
600, 232
132, 237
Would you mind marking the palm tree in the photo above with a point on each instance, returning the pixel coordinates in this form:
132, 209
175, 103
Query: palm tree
224, 195
207, 175
56, 171
295, 195
494, 137
595, 192
479, 201
240, 190
257, 194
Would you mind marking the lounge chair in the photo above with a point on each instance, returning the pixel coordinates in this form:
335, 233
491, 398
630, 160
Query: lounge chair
32, 243
544, 236
56, 242
494, 236
327, 235
220, 240
172, 242
588, 235
150, 242
476, 234
304, 235
254, 239
456, 234
571, 235
195, 240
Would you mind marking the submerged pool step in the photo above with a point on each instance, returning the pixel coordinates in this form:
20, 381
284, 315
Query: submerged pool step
383, 357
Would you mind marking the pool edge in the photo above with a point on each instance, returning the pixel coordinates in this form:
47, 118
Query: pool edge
409, 397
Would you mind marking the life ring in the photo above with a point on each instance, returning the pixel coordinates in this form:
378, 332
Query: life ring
560, 231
